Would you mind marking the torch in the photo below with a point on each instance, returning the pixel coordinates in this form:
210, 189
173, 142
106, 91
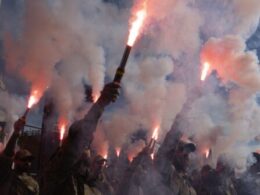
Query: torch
33, 99
152, 142
133, 33
121, 68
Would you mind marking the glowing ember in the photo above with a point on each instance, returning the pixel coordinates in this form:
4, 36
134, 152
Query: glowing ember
34, 98
155, 133
205, 70
62, 131
118, 150
137, 25
105, 156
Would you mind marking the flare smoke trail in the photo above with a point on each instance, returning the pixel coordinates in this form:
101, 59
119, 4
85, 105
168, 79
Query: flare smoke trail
70, 41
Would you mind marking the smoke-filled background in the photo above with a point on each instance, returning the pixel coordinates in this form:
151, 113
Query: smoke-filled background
57, 46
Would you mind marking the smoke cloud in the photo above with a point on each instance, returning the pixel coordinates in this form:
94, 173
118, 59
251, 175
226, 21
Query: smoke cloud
62, 44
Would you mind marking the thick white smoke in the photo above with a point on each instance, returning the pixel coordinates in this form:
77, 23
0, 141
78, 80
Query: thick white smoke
63, 43
11, 107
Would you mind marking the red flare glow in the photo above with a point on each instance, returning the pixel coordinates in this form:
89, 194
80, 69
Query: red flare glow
207, 152
205, 71
118, 150
34, 98
62, 131
130, 158
137, 24
105, 156
62, 124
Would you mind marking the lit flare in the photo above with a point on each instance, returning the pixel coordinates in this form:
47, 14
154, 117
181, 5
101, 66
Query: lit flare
95, 98
62, 131
137, 24
207, 152
154, 137
205, 71
118, 150
33, 99
155, 133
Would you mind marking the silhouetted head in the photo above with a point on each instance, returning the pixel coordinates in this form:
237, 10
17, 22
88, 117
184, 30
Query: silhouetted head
23, 160
180, 155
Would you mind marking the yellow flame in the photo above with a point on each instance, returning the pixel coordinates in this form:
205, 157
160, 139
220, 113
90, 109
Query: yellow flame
34, 98
137, 25
205, 70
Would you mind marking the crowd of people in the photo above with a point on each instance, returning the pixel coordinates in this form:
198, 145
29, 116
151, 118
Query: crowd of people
74, 170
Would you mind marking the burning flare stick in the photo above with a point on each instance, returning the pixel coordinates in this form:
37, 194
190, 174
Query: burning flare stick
34, 97
205, 71
152, 142
133, 34
121, 69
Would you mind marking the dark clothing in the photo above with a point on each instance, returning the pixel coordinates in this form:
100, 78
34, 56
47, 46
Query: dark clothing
12, 183
59, 177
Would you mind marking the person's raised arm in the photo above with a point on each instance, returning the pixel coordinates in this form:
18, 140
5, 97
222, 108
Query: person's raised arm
10, 146
81, 134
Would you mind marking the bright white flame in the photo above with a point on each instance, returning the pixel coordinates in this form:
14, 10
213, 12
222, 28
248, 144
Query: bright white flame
207, 152
155, 133
34, 98
137, 25
205, 71
62, 131
152, 156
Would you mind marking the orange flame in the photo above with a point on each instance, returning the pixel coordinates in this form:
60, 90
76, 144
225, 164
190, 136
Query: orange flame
62, 123
205, 71
137, 24
34, 98
118, 150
